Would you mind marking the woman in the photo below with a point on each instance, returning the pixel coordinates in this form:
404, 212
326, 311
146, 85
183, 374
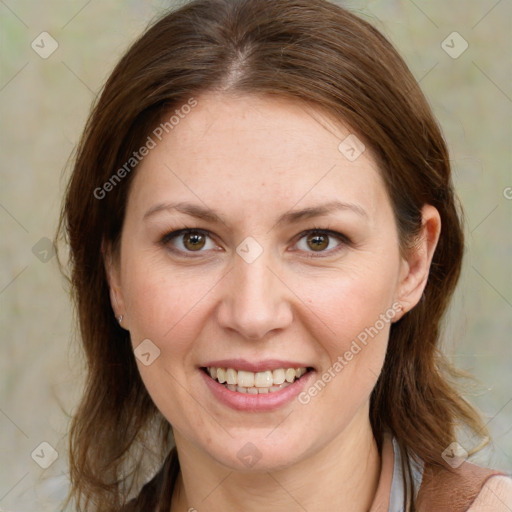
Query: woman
264, 239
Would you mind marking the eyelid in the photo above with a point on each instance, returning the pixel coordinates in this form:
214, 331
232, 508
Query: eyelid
343, 239
325, 231
176, 233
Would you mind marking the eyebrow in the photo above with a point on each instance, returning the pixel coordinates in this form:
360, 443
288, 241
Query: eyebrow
290, 217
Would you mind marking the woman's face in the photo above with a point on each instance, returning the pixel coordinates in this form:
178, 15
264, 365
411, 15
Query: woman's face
252, 287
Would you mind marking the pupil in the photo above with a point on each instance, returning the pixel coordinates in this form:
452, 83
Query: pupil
319, 241
194, 241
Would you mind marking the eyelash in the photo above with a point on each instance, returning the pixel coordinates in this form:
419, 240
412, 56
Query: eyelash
343, 239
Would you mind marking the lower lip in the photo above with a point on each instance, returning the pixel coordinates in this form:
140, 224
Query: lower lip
260, 402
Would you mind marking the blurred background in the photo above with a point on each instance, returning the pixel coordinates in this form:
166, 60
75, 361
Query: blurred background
55, 56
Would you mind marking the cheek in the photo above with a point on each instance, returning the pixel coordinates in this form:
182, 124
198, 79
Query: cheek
163, 304
347, 302
350, 317
167, 309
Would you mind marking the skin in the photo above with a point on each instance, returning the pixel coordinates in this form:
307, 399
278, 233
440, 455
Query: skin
252, 159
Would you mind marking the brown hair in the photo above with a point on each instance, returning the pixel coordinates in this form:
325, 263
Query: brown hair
308, 50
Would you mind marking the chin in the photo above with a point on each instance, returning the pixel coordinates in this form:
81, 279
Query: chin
257, 453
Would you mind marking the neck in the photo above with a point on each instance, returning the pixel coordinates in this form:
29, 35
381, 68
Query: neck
342, 476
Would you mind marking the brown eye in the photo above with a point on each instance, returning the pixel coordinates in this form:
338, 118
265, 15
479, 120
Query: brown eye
318, 242
322, 242
188, 241
193, 240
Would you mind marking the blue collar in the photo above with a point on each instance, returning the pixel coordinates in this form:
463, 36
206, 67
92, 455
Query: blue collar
397, 494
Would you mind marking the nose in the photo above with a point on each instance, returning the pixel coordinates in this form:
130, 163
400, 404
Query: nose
255, 300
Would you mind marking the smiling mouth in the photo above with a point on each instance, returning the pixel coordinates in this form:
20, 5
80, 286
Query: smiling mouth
268, 381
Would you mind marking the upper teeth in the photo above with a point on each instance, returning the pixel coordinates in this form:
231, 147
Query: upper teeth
264, 379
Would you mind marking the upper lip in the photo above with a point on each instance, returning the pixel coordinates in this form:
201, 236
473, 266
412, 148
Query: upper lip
254, 366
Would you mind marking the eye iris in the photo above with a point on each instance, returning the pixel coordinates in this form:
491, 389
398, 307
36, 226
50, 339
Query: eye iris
194, 241
319, 241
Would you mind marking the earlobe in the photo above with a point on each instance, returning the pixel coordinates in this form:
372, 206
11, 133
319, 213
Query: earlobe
115, 302
113, 281
416, 265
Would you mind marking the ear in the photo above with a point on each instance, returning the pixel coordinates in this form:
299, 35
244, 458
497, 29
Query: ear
416, 264
111, 262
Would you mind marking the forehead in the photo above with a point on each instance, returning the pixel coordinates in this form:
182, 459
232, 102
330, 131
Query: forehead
256, 154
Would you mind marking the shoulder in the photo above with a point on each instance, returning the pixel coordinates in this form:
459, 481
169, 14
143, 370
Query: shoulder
467, 488
496, 495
